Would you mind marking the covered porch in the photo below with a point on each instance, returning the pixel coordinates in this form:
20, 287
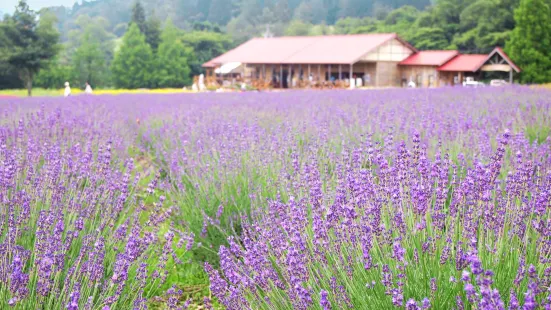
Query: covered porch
314, 76
479, 68
290, 76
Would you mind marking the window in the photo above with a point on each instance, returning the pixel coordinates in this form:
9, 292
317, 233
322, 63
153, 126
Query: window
431, 80
419, 80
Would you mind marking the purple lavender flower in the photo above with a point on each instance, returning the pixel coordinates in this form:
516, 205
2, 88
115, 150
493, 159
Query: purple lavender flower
425, 304
324, 300
433, 286
411, 304
74, 298
207, 303
513, 301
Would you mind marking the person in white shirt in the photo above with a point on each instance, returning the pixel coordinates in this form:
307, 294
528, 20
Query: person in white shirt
88, 90
67, 92
411, 84
201, 85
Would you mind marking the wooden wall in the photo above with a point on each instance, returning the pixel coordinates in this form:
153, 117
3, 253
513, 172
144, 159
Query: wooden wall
387, 74
393, 50
423, 76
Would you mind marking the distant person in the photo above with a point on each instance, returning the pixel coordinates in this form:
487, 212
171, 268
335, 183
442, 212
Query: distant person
88, 90
201, 85
67, 92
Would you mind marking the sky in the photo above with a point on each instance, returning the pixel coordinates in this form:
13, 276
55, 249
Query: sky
7, 6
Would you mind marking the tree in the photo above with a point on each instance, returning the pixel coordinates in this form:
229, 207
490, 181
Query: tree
220, 11
203, 7
298, 28
172, 69
89, 61
311, 11
8, 75
483, 25
429, 39
530, 41
355, 8
54, 75
95, 29
282, 11
406, 14
132, 65
153, 32
32, 42
206, 46
138, 16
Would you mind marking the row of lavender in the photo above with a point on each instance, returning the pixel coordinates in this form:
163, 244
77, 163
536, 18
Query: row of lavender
415, 232
453, 214
79, 227
331, 199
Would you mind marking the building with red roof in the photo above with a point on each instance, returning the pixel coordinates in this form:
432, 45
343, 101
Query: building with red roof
422, 67
377, 60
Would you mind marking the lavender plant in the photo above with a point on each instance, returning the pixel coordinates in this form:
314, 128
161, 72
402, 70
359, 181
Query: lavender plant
413, 199
75, 229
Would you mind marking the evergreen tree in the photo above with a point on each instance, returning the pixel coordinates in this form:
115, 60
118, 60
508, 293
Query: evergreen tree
220, 11
132, 65
356, 8
138, 16
298, 28
153, 32
187, 11
172, 69
530, 41
282, 11
32, 42
203, 8
312, 11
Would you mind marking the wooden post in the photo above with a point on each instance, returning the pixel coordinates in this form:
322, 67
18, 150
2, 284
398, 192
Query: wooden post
511, 76
290, 76
264, 72
329, 73
319, 73
351, 74
299, 78
340, 73
281, 76
377, 74
309, 71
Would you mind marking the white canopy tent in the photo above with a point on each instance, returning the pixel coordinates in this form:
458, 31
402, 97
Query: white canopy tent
227, 68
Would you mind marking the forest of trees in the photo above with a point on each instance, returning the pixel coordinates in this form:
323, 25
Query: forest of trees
148, 43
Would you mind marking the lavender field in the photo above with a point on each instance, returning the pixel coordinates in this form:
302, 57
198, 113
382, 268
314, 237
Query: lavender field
391, 199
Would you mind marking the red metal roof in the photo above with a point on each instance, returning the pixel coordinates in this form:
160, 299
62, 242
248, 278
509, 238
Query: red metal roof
429, 58
465, 63
210, 63
334, 49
